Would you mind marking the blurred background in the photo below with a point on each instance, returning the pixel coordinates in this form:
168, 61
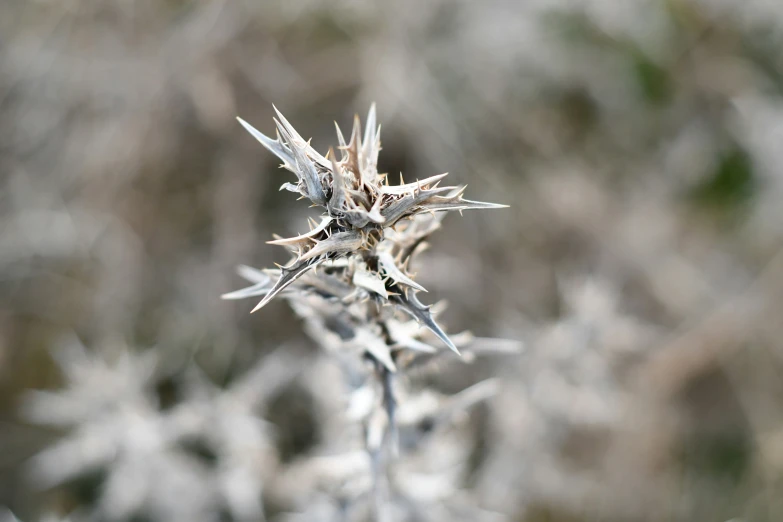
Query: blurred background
639, 144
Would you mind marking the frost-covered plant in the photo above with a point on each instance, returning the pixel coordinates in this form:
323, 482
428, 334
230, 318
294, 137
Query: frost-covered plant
349, 277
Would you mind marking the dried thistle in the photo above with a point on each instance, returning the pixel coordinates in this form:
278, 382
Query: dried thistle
363, 247
369, 232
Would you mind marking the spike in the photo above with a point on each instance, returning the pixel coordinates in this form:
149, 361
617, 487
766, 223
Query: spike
404, 188
421, 313
388, 266
353, 161
439, 204
339, 243
375, 346
340, 197
341, 142
375, 149
295, 139
369, 131
370, 281
273, 146
325, 222
408, 205
287, 276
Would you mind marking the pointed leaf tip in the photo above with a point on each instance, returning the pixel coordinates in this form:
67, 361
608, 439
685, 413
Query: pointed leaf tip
273, 146
422, 314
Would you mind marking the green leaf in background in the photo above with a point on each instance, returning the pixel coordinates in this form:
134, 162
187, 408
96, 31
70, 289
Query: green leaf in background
731, 184
653, 80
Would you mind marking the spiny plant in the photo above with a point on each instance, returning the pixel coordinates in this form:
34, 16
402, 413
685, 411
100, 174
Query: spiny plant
349, 277
368, 234
209, 446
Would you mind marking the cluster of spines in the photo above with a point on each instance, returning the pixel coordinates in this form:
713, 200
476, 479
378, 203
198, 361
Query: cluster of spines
360, 209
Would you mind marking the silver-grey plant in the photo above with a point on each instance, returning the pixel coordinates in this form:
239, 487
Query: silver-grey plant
368, 234
349, 277
116, 426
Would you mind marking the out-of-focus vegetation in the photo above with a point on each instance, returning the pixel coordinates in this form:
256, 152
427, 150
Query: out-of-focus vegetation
639, 143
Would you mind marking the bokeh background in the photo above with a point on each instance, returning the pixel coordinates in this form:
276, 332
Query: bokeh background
639, 144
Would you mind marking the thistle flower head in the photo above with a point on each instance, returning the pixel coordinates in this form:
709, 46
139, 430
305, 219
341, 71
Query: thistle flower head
367, 235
